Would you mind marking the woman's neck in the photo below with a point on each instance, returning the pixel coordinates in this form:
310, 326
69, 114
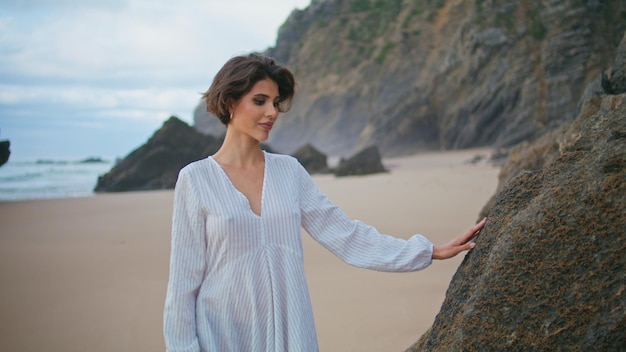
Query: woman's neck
240, 152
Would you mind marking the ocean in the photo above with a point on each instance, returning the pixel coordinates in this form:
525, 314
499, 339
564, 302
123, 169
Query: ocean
44, 179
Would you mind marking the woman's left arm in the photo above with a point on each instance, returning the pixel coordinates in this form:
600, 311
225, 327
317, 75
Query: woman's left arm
355, 242
361, 245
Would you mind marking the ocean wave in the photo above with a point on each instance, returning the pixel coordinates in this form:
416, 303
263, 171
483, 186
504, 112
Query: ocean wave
37, 180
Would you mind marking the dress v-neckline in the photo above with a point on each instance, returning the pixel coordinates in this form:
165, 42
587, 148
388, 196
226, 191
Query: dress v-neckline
241, 194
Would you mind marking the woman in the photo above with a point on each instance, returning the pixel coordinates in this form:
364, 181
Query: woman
236, 273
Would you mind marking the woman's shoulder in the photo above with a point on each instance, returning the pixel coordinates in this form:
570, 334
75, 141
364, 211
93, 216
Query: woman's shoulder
283, 159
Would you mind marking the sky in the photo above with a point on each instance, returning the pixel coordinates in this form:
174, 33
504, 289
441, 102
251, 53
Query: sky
96, 78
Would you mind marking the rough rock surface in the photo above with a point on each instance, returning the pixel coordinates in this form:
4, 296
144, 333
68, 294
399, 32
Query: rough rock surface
365, 162
155, 165
5, 151
441, 74
312, 159
549, 269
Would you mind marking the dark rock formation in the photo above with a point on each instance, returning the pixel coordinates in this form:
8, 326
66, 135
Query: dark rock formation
414, 75
549, 271
367, 161
312, 159
5, 151
92, 160
155, 165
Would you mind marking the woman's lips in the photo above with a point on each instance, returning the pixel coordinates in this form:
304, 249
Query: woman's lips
267, 126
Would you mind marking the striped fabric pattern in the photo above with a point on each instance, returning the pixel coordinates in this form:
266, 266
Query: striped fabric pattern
237, 279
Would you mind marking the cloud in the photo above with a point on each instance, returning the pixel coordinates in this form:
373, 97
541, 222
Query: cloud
30, 6
138, 40
123, 42
122, 60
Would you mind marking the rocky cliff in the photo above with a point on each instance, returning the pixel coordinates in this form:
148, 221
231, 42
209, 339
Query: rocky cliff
408, 75
549, 271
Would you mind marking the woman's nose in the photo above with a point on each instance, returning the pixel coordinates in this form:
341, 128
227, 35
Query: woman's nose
272, 111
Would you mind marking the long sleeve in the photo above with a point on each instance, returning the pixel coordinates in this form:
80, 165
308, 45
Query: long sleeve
356, 243
187, 266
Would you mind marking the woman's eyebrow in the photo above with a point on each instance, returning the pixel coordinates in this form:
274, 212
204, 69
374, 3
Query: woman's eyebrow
262, 95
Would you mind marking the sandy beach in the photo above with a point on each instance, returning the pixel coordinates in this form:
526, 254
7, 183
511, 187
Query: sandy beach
90, 274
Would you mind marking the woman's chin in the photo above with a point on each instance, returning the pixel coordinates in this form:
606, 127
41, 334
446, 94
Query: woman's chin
263, 138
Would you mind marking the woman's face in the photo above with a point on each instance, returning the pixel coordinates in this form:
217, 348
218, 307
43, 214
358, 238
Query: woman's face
254, 114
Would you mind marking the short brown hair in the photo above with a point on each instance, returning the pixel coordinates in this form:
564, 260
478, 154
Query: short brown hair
239, 75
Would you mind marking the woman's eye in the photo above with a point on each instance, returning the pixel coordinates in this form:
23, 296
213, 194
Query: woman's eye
259, 101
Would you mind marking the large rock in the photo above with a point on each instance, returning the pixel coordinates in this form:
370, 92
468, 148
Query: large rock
312, 159
415, 75
549, 269
365, 162
5, 151
155, 165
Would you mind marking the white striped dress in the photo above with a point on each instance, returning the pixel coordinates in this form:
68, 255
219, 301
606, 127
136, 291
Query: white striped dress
237, 279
